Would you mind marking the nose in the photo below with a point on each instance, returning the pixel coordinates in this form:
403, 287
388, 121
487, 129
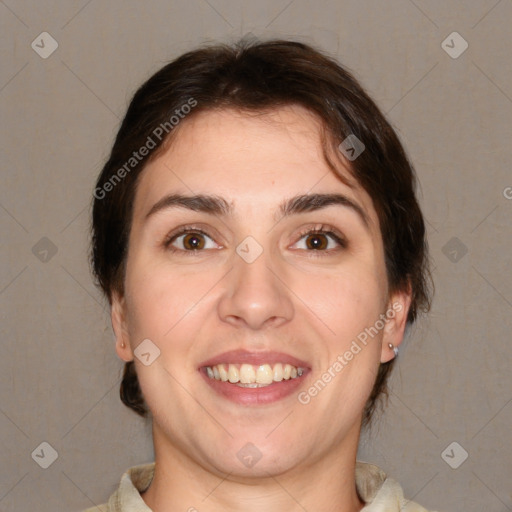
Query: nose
255, 295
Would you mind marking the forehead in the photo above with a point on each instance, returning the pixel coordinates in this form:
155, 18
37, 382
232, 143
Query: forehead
251, 159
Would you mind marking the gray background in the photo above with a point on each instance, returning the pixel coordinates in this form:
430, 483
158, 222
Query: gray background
59, 375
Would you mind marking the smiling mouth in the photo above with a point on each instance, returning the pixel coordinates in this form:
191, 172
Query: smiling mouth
253, 376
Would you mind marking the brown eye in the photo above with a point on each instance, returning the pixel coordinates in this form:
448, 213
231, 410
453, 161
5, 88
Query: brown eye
317, 241
322, 240
193, 241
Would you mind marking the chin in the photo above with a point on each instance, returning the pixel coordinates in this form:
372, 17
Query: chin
249, 462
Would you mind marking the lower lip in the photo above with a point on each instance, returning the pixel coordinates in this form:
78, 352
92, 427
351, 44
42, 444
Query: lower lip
255, 396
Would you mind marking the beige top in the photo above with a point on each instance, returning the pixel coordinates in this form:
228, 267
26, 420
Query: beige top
381, 494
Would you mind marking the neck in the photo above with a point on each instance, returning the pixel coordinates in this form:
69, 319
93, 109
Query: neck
324, 485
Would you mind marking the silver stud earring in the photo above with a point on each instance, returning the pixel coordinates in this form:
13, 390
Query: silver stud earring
122, 344
393, 348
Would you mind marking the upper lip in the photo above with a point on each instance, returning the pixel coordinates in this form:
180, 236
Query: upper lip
254, 358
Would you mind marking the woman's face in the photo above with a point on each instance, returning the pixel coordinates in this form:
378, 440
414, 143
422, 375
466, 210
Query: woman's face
252, 274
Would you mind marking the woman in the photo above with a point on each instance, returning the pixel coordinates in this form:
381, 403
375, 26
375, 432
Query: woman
257, 235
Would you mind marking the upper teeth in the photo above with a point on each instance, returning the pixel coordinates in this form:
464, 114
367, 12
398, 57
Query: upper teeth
247, 374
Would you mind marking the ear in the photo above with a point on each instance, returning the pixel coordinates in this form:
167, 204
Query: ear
118, 316
396, 321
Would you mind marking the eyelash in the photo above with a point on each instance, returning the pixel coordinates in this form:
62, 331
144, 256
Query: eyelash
328, 231
185, 230
319, 230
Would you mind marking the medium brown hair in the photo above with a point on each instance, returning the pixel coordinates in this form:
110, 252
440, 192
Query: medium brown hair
258, 77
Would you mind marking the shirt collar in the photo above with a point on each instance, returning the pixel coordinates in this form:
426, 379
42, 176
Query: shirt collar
380, 493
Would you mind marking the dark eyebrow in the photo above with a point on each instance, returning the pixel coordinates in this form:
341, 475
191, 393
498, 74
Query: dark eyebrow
313, 202
198, 203
214, 205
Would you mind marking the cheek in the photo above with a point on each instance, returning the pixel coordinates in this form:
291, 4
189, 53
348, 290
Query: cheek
164, 306
159, 298
349, 303
346, 300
